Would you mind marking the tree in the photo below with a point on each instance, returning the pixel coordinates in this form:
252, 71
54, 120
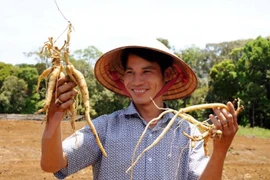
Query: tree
90, 54
7, 70
40, 57
223, 84
245, 76
13, 95
254, 80
218, 52
30, 76
197, 60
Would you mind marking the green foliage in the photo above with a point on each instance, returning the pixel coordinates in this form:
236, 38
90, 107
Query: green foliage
40, 67
32, 104
30, 76
217, 52
223, 84
13, 95
105, 102
90, 54
6, 70
197, 60
253, 68
175, 104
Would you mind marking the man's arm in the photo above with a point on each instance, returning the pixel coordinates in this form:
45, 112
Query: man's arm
227, 122
52, 156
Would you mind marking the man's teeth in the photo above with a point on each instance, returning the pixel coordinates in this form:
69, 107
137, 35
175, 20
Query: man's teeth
138, 91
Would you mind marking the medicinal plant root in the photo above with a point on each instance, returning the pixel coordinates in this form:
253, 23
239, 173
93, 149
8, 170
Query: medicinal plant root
76, 76
207, 130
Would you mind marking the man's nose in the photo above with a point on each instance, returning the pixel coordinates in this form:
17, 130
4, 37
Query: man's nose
138, 79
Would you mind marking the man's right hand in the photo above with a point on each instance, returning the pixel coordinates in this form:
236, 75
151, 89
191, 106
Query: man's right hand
63, 96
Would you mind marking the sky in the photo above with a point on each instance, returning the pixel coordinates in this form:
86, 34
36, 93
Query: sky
26, 24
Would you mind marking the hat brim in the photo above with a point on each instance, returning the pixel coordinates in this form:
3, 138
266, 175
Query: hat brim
110, 61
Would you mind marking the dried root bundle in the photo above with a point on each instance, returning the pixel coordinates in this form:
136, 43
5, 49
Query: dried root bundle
57, 71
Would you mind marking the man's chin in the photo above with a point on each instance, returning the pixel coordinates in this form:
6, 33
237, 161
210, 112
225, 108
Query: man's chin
142, 101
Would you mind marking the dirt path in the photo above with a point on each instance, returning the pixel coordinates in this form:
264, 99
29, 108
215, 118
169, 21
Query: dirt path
248, 158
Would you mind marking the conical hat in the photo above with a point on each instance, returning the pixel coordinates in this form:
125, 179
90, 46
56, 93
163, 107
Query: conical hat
185, 81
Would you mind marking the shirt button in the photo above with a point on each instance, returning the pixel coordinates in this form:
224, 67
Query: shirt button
150, 159
150, 135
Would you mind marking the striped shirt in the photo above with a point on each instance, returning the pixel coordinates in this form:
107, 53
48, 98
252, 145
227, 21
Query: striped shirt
172, 158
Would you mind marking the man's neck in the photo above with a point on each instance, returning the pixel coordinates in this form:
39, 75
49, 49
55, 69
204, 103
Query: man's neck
149, 111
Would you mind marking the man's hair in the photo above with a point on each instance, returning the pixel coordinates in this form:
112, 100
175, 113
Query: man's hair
163, 60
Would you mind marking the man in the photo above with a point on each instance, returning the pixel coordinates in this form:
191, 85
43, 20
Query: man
140, 72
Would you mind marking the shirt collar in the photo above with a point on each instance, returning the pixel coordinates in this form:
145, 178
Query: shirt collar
132, 111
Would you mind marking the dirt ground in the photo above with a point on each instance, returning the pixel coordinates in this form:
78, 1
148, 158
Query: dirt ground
248, 158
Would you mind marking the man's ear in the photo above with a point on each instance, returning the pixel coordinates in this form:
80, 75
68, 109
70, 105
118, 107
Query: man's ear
168, 73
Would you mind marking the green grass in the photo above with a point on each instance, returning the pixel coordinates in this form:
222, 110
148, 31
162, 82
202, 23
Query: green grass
256, 131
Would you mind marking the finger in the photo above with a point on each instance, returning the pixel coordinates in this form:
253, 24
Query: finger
66, 104
63, 80
66, 96
233, 112
220, 116
229, 118
65, 87
233, 117
215, 121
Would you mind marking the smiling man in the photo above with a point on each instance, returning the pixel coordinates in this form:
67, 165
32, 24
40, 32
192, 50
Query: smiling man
145, 73
140, 72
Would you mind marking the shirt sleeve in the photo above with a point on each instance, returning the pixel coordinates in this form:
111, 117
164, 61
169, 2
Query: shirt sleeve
197, 159
81, 149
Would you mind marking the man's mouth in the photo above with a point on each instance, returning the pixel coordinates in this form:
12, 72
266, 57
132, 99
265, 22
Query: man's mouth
139, 91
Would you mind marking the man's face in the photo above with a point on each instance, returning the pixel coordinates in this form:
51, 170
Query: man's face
142, 79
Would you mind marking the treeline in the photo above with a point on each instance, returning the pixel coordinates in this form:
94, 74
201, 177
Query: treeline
226, 71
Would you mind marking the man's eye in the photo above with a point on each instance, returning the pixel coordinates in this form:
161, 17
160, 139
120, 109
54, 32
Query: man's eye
146, 71
128, 72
